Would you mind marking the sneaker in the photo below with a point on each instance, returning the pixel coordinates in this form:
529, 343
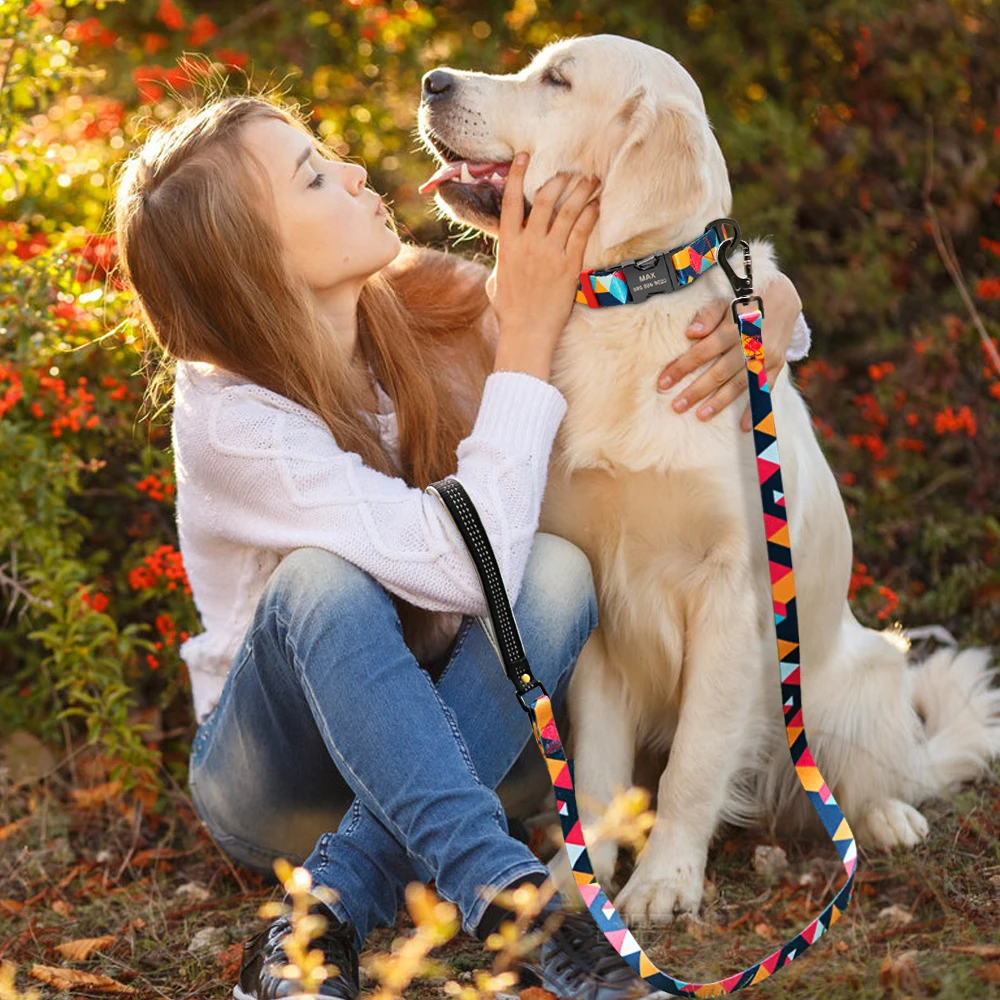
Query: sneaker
263, 953
577, 960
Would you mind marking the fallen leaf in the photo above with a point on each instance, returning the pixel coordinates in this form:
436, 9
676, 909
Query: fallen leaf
536, 993
11, 828
74, 979
195, 891
230, 959
769, 861
899, 973
81, 949
989, 973
62, 907
99, 795
766, 931
896, 915
26, 758
11, 905
153, 854
981, 950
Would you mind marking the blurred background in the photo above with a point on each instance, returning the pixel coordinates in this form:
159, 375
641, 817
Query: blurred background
862, 137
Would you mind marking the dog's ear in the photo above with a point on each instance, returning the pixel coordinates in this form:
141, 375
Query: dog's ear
656, 174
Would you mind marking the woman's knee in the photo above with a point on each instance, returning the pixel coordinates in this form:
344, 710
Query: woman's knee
309, 576
559, 582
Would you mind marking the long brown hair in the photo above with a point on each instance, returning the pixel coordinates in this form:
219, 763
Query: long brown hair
204, 262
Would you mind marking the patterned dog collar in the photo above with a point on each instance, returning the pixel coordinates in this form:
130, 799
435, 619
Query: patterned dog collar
663, 271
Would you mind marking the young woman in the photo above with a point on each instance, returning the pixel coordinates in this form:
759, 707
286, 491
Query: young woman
324, 374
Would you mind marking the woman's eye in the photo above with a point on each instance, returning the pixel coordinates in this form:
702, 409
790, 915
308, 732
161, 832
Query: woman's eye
317, 181
551, 76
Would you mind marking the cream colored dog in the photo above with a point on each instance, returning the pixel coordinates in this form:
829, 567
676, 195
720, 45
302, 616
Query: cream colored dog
668, 507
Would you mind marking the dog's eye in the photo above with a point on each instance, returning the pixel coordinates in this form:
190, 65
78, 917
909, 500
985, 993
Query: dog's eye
551, 76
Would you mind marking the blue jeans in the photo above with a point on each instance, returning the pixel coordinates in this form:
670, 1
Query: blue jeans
325, 691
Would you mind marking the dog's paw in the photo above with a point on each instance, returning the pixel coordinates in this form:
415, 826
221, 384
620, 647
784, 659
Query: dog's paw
656, 897
892, 823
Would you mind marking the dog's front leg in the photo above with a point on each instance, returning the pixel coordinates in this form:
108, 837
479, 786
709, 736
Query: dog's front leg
720, 682
603, 752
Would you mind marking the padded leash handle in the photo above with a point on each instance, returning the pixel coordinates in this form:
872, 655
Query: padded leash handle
506, 641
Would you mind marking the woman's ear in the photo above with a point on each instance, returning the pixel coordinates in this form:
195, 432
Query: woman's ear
656, 175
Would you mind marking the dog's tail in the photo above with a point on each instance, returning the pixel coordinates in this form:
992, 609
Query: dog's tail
882, 728
952, 692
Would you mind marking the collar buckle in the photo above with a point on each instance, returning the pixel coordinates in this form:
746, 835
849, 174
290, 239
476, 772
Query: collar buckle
649, 276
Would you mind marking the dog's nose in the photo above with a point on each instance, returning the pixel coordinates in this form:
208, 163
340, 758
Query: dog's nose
438, 84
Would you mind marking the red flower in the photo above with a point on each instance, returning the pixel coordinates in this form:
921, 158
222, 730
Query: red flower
90, 31
988, 288
169, 14
152, 42
859, 579
237, 60
143, 77
892, 602
948, 420
877, 372
985, 243
202, 29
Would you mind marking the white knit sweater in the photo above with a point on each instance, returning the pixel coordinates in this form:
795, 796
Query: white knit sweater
259, 475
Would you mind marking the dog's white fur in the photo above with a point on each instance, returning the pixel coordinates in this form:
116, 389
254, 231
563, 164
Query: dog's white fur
667, 508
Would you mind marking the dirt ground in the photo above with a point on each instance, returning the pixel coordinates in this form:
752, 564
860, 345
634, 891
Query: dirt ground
172, 910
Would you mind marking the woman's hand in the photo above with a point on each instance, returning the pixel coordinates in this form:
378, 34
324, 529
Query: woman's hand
717, 337
533, 286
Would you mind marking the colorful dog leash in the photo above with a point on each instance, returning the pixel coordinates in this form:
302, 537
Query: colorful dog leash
501, 629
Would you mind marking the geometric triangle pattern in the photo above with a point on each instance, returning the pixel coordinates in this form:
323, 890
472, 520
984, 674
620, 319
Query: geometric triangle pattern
609, 287
787, 628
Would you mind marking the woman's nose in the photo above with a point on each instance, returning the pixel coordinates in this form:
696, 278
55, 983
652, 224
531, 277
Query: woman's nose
358, 177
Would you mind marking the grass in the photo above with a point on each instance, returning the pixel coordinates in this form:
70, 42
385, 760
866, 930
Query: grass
68, 872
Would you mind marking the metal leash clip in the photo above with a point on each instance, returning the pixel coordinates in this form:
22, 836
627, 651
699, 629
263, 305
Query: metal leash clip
742, 284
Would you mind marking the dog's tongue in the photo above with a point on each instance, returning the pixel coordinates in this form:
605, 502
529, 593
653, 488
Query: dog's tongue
467, 173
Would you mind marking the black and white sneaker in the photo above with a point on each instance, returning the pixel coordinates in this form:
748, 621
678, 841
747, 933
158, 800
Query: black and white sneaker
263, 956
577, 960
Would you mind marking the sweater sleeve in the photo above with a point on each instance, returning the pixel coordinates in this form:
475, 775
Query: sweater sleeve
278, 480
801, 339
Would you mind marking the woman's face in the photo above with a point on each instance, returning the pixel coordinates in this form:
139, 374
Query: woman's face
333, 229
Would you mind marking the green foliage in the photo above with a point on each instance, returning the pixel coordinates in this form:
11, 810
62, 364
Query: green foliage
843, 124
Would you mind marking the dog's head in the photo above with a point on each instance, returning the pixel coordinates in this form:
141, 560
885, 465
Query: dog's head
601, 104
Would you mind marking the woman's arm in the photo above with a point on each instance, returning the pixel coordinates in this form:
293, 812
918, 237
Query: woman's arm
786, 338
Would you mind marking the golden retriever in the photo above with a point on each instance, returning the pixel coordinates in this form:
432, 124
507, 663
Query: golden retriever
667, 507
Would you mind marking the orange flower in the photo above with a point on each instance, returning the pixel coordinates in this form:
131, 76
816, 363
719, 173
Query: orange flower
910, 444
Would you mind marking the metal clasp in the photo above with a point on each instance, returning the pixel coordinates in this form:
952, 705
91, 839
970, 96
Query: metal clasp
520, 694
742, 285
